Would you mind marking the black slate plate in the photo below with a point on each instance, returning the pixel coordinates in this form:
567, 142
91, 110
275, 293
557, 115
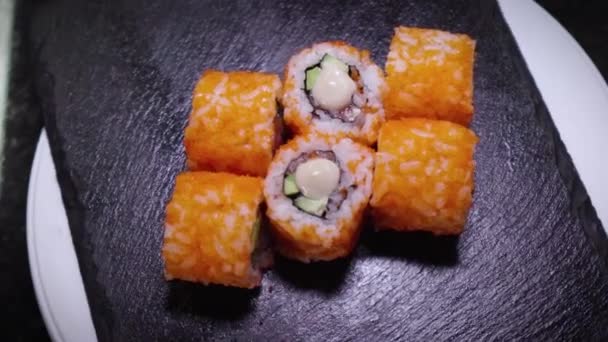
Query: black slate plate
114, 80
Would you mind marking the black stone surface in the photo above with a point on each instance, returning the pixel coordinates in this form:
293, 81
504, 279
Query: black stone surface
21, 319
530, 266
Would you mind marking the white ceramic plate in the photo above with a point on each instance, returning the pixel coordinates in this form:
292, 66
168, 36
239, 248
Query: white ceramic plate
53, 264
573, 90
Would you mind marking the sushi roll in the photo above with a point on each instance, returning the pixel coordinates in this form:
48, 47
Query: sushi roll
423, 179
430, 75
316, 193
212, 230
334, 88
233, 126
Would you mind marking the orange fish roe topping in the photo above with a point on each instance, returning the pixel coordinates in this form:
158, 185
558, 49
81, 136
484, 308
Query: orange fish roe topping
231, 127
424, 176
209, 229
307, 245
430, 74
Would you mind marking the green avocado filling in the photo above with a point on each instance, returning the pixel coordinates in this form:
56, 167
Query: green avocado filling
312, 73
311, 77
311, 206
256, 229
329, 59
289, 185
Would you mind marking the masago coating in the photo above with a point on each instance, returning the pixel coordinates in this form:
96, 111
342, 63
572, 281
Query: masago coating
212, 230
233, 125
423, 179
430, 75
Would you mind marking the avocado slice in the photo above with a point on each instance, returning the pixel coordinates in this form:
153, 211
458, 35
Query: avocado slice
312, 206
311, 77
289, 185
327, 59
256, 229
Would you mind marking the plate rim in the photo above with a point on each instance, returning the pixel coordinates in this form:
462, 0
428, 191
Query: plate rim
546, 37
59, 256
39, 289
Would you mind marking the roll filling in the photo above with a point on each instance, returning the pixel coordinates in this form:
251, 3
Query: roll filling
336, 91
321, 206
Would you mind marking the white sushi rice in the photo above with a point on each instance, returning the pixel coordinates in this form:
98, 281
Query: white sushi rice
371, 76
346, 151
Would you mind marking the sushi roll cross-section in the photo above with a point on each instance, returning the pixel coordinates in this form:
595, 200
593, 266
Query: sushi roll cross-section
212, 230
234, 125
423, 178
334, 88
430, 75
316, 192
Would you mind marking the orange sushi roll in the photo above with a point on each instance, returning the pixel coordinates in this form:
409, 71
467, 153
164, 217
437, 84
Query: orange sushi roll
212, 230
333, 88
430, 75
423, 178
233, 126
316, 191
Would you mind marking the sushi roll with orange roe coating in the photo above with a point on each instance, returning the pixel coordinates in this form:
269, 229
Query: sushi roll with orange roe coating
333, 88
423, 178
316, 191
212, 230
233, 126
430, 75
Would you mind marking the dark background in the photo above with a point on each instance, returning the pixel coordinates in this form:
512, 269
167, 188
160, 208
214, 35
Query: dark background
585, 20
